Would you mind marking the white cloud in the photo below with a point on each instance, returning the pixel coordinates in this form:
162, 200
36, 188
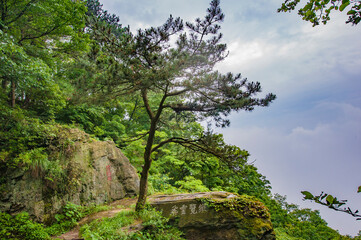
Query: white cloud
243, 54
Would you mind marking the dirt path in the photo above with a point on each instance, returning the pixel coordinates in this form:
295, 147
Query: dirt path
116, 207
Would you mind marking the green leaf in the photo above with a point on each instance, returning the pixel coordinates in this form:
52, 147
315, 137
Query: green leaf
351, 12
307, 195
308, 7
329, 199
344, 5
359, 189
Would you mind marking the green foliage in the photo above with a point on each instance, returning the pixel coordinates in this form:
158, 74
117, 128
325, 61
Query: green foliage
34, 159
71, 212
332, 202
282, 234
34, 86
102, 122
86, 117
176, 164
35, 37
108, 228
91, 209
161, 183
21, 227
70, 215
21, 139
156, 227
291, 222
192, 185
316, 11
153, 226
54, 19
26, 142
67, 219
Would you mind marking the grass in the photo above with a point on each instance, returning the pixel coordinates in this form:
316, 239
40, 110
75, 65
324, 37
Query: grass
148, 224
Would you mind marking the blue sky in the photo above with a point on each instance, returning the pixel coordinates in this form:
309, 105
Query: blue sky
310, 137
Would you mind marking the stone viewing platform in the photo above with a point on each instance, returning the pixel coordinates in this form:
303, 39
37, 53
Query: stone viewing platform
216, 215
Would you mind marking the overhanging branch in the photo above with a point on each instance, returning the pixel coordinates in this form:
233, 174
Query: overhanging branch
197, 145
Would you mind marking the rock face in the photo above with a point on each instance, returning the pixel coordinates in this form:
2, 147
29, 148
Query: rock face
217, 216
90, 172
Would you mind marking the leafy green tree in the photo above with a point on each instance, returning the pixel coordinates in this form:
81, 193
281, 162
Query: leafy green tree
174, 163
316, 11
291, 222
35, 34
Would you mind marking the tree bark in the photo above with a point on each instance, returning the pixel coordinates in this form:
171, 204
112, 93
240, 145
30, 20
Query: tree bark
13, 87
154, 118
4, 84
143, 187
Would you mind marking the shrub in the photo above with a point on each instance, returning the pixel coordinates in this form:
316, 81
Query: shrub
20, 227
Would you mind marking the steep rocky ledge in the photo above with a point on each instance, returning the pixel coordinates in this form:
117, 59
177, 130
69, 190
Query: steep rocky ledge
89, 172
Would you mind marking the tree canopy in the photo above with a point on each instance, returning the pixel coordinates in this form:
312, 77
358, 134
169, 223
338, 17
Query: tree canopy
30, 44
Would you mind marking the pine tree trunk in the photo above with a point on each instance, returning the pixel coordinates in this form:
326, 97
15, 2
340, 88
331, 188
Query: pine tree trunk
143, 187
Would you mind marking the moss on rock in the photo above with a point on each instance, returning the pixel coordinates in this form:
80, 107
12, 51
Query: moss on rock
81, 170
217, 215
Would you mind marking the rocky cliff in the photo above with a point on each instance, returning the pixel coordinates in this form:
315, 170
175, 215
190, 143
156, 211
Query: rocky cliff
86, 172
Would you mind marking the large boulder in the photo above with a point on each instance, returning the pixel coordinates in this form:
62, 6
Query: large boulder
217, 216
89, 172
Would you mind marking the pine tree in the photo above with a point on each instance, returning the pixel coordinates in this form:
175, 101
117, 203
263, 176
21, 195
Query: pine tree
176, 79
